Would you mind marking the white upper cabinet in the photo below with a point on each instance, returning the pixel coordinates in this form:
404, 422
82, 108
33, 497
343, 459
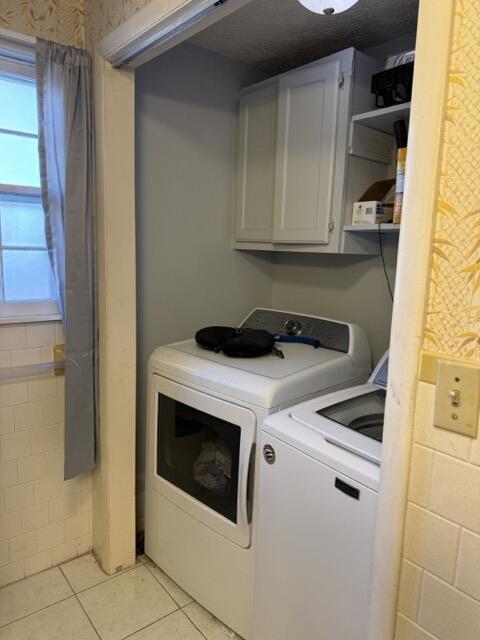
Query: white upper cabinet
301, 161
256, 167
306, 149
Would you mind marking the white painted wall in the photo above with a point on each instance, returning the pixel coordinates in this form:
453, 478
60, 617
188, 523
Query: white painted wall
188, 275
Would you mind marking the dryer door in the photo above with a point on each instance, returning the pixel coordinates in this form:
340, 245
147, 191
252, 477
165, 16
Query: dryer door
202, 450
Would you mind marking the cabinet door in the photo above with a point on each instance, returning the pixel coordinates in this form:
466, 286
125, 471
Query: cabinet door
256, 164
307, 133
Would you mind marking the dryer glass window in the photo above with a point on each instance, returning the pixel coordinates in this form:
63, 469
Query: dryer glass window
199, 453
363, 414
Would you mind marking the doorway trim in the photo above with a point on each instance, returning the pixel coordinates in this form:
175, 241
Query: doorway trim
427, 120
159, 26
114, 479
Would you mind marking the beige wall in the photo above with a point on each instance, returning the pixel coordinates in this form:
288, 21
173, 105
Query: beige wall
67, 21
59, 20
440, 583
454, 302
102, 16
74, 22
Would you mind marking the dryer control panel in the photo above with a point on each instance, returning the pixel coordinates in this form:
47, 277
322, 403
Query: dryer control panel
331, 335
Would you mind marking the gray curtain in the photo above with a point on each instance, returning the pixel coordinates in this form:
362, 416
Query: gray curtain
64, 92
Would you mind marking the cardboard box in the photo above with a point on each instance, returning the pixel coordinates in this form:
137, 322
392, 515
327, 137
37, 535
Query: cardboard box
371, 212
376, 204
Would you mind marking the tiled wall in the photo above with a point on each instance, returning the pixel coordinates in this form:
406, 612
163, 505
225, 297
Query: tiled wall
43, 520
440, 582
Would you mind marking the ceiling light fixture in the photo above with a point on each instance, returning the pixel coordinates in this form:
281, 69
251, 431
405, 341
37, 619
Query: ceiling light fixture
327, 7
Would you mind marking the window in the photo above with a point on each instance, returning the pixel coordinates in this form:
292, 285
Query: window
26, 279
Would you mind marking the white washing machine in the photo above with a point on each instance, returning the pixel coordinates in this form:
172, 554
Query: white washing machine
204, 412
319, 480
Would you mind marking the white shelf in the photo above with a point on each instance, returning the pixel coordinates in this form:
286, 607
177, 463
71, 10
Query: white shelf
385, 227
383, 119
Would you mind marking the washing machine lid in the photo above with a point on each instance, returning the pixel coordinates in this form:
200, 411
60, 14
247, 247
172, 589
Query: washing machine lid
321, 438
351, 419
343, 429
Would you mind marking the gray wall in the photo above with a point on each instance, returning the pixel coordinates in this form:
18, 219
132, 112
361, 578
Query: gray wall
188, 275
346, 288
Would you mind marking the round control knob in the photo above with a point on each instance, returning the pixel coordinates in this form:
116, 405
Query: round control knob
292, 327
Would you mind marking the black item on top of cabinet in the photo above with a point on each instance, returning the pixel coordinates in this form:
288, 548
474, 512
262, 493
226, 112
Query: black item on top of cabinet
393, 86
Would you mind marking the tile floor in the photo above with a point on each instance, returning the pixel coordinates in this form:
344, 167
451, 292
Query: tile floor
77, 601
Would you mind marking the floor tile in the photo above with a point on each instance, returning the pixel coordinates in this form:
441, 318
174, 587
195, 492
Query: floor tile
126, 603
83, 573
32, 594
179, 595
62, 621
211, 628
176, 626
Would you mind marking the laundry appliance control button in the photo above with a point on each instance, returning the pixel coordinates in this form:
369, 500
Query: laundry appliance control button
292, 327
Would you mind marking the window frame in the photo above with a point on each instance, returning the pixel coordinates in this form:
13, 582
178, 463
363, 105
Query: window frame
17, 61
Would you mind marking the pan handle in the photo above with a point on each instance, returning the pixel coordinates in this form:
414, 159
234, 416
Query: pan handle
313, 342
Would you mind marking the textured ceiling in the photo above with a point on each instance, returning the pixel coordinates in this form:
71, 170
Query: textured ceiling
276, 35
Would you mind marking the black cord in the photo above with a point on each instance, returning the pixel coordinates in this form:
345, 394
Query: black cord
380, 243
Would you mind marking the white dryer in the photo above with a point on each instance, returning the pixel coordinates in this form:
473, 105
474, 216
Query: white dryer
319, 481
204, 414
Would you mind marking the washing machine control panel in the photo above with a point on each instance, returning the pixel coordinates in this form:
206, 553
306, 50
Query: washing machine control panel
331, 334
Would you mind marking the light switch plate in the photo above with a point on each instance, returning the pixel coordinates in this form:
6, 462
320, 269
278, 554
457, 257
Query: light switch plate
457, 397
